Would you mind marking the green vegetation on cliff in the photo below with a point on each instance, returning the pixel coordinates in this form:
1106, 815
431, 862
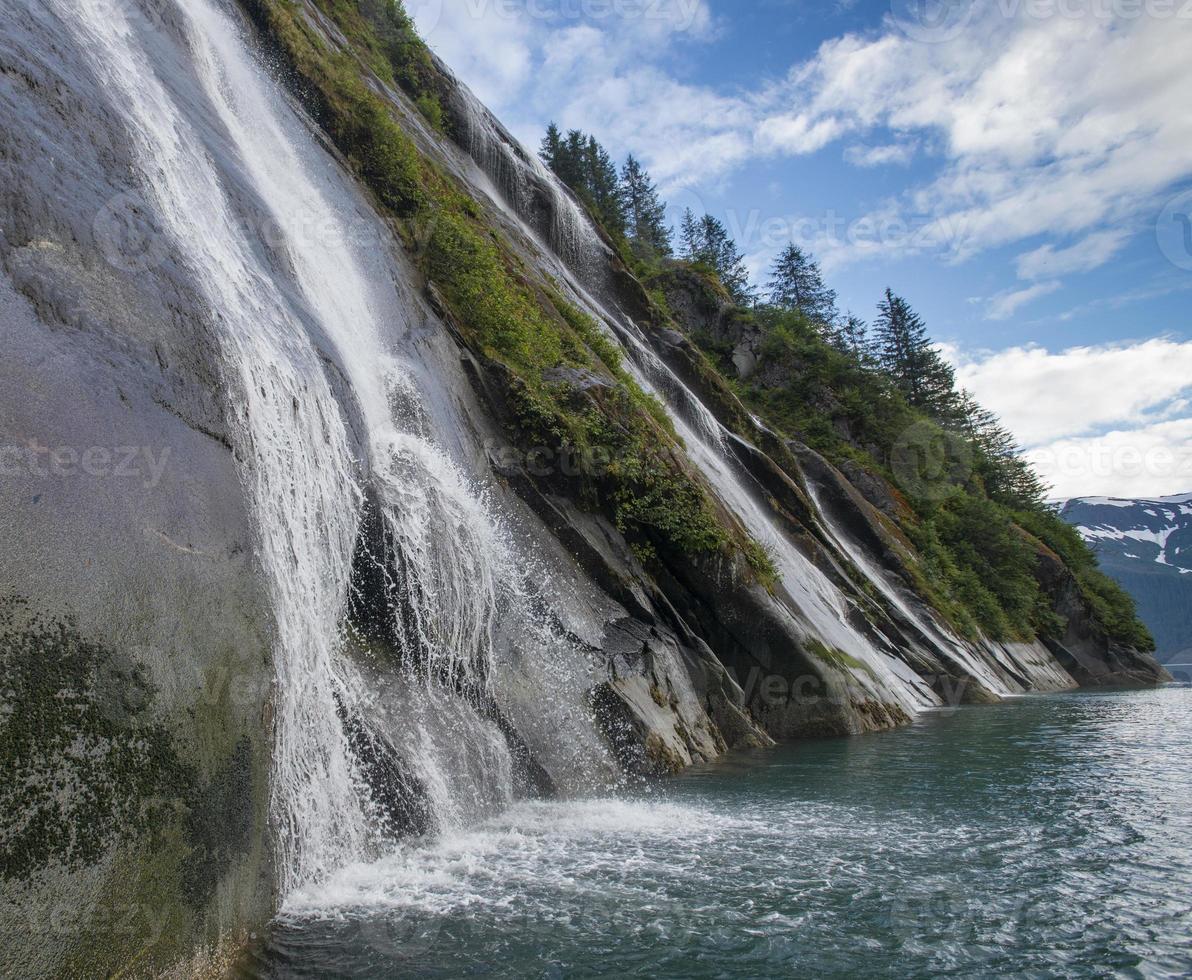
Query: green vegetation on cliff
964, 497
887, 401
965, 500
561, 377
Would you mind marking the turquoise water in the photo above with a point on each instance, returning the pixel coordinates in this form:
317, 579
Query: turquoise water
1047, 836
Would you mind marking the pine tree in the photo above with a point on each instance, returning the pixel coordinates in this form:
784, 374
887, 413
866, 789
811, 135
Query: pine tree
551, 150
718, 250
852, 337
585, 166
1008, 477
603, 186
571, 163
796, 284
905, 353
689, 236
645, 213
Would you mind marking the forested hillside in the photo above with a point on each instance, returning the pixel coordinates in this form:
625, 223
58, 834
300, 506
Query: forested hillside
877, 398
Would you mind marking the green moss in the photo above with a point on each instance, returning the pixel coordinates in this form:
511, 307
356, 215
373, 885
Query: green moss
521, 327
93, 783
83, 765
480, 284
384, 37
761, 560
837, 658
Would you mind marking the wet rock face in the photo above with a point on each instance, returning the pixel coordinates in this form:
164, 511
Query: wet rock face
135, 629
128, 590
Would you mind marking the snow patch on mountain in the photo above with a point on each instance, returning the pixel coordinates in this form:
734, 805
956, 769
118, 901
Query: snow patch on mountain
1147, 546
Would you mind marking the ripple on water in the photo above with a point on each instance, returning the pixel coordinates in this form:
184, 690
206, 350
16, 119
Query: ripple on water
1051, 836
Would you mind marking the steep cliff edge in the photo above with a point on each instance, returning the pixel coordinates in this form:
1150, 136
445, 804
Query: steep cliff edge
687, 579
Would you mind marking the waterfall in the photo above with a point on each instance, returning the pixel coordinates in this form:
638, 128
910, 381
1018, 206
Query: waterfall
291, 436
513, 172
342, 448
819, 609
305, 305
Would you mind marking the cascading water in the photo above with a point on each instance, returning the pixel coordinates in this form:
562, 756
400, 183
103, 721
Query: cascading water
821, 610
460, 615
335, 430
292, 437
513, 173
572, 251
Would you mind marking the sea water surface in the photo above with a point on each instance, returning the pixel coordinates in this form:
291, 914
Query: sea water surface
1046, 836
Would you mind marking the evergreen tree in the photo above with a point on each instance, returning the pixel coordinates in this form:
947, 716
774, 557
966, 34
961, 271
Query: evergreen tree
718, 250
796, 284
572, 160
707, 242
585, 166
852, 337
551, 150
1008, 477
689, 236
905, 353
645, 213
603, 186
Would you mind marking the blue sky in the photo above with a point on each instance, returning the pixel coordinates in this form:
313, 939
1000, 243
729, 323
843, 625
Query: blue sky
1018, 169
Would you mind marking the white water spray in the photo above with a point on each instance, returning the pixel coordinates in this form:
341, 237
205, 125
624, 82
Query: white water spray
309, 294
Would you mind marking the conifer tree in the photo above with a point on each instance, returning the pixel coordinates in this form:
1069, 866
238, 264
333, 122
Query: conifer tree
585, 166
551, 149
603, 185
852, 337
1008, 477
905, 352
718, 250
689, 236
645, 213
796, 284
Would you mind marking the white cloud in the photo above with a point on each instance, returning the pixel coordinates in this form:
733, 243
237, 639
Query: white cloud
797, 134
1046, 126
1087, 254
1054, 126
490, 49
1043, 396
1065, 129
1096, 420
1005, 305
881, 156
1150, 461
594, 66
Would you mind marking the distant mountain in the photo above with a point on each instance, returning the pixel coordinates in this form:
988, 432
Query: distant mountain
1146, 545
